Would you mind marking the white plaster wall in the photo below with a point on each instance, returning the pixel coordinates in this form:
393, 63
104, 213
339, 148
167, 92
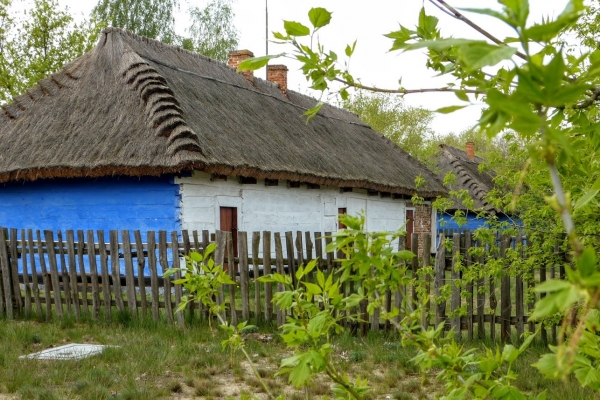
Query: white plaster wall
279, 208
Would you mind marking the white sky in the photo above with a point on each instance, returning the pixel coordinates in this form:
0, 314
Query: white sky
366, 22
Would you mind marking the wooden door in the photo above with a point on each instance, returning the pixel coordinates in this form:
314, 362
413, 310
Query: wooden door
410, 227
229, 223
342, 211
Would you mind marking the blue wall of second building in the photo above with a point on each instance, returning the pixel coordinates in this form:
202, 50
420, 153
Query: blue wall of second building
445, 221
145, 204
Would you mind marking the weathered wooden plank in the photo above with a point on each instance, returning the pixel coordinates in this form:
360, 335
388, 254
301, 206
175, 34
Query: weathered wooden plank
205, 242
116, 270
456, 300
178, 288
34, 274
26, 283
505, 304
280, 270
129, 275
299, 248
414, 266
426, 263
14, 262
399, 294
468, 244
164, 265
82, 273
69, 300
187, 248
493, 306
519, 295
91, 252
106, 293
330, 254
141, 264
153, 275
543, 278
197, 247
45, 276
289, 245
49, 235
221, 241
438, 282
72, 271
256, 271
319, 249
244, 276
267, 270
2, 297
232, 269
480, 297
309, 255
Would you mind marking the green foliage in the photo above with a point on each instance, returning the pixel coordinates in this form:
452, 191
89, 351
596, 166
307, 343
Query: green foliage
212, 32
38, 43
150, 18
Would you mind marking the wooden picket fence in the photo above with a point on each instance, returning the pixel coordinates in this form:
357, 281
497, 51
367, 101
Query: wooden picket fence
85, 275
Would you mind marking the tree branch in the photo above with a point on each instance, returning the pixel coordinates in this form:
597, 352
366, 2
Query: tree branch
407, 91
459, 16
587, 103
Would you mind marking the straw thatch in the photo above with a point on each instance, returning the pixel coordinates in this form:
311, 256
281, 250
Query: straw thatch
134, 107
468, 177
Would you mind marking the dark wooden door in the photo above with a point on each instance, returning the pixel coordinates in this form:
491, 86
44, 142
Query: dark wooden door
410, 227
342, 211
229, 223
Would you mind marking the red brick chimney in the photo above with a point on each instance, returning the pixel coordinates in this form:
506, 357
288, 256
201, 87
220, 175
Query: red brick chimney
471, 150
278, 74
236, 57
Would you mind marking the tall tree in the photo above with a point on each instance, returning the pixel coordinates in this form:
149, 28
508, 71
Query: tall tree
38, 44
212, 32
408, 127
151, 18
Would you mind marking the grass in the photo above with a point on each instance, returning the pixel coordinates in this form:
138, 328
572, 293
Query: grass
155, 360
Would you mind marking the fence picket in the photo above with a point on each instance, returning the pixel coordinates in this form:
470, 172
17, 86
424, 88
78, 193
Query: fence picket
289, 246
221, 240
14, 259
187, 248
519, 295
116, 270
267, 270
505, 304
129, 276
480, 296
438, 282
72, 271
25, 275
69, 301
106, 279
280, 270
82, 272
49, 235
455, 324
45, 276
178, 288
426, 263
256, 273
232, 269
91, 251
244, 273
151, 235
34, 275
164, 265
141, 264
469, 297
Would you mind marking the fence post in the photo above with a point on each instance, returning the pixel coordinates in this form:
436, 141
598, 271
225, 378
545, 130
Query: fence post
455, 324
505, 306
438, 282
5, 266
426, 263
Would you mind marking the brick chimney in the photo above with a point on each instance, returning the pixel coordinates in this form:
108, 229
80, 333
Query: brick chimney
278, 74
471, 150
236, 57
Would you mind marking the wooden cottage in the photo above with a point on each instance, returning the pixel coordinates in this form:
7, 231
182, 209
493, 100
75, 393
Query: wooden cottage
464, 165
137, 134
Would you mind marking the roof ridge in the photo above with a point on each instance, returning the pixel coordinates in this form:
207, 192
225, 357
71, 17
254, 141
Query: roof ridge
163, 110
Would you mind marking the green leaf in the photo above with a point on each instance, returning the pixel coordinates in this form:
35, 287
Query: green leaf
319, 17
591, 193
312, 288
449, 109
552, 286
300, 374
586, 263
195, 256
295, 28
462, 95
489, 12
479, 55
443, 44
254, 63
310, 114
548, 366
587, 376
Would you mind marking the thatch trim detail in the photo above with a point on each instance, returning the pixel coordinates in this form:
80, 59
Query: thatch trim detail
165, 115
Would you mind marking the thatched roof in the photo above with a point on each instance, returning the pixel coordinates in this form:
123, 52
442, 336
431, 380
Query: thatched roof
468, 176
134, 106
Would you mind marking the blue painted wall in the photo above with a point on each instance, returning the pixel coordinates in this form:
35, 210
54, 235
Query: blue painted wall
105, 203
445, 221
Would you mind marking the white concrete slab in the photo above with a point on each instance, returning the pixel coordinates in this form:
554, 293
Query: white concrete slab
72, 351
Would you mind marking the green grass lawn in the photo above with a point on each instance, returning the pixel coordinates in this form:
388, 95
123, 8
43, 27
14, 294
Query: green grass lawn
155, 360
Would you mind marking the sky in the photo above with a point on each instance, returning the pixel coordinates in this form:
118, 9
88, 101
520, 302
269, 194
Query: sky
366, 22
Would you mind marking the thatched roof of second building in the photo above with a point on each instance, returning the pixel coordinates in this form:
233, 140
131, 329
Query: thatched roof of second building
134, 106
